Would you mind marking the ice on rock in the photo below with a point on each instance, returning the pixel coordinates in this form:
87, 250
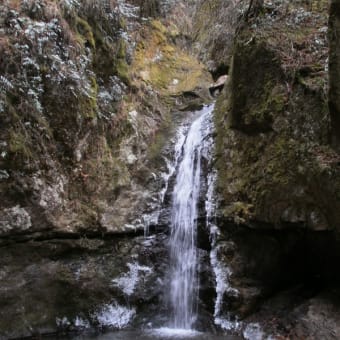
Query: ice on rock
127, 283
253, 331
114, 315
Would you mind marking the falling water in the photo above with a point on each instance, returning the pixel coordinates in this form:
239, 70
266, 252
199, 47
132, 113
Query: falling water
183, 251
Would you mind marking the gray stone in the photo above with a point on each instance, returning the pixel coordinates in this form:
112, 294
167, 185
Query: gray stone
14, 220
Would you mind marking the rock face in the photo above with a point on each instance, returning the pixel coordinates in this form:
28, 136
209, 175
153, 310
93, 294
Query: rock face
15, 220
278, 174
218, 86
75, 285
87, 91
91, 92
213, 31
274, 113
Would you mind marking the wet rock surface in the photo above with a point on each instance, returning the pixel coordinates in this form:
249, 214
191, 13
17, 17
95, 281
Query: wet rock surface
277, 283
301, 313
80, 284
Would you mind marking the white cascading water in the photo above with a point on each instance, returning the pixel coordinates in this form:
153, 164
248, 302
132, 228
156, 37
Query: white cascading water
183, 251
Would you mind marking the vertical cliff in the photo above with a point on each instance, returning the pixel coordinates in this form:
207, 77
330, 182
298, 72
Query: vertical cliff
87, 90
274, 112
278, 171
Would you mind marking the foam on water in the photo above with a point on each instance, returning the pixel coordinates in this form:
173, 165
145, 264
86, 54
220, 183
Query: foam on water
173, 333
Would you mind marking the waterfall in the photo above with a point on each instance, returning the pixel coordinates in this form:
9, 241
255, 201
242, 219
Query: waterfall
183, 251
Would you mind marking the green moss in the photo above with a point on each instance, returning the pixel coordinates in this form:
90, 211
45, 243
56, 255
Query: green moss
94, 86
122, 23
85, 30
122, 70
121, 54
93, 96
160, 63
258, 173
271, 104
159, 28
18, 144
88, 104
240, 212
103, 163
256, 92
121, 66
205, 17
319, 6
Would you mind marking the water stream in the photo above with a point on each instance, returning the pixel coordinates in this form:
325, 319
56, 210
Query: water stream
183, 251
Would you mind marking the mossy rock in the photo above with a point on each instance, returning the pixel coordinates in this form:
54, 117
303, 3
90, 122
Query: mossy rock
85, 30
17, 143
271, 129
255, 92
164, 66
121, 67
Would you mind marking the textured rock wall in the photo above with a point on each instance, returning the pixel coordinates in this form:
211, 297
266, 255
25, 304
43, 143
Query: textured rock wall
213, 30
91, 92
276, 165
87, 91
278, 178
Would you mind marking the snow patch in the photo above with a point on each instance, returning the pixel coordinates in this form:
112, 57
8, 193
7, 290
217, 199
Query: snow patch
63, 322
222, 276
3, 173
129, 11
71, 4
5, 84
